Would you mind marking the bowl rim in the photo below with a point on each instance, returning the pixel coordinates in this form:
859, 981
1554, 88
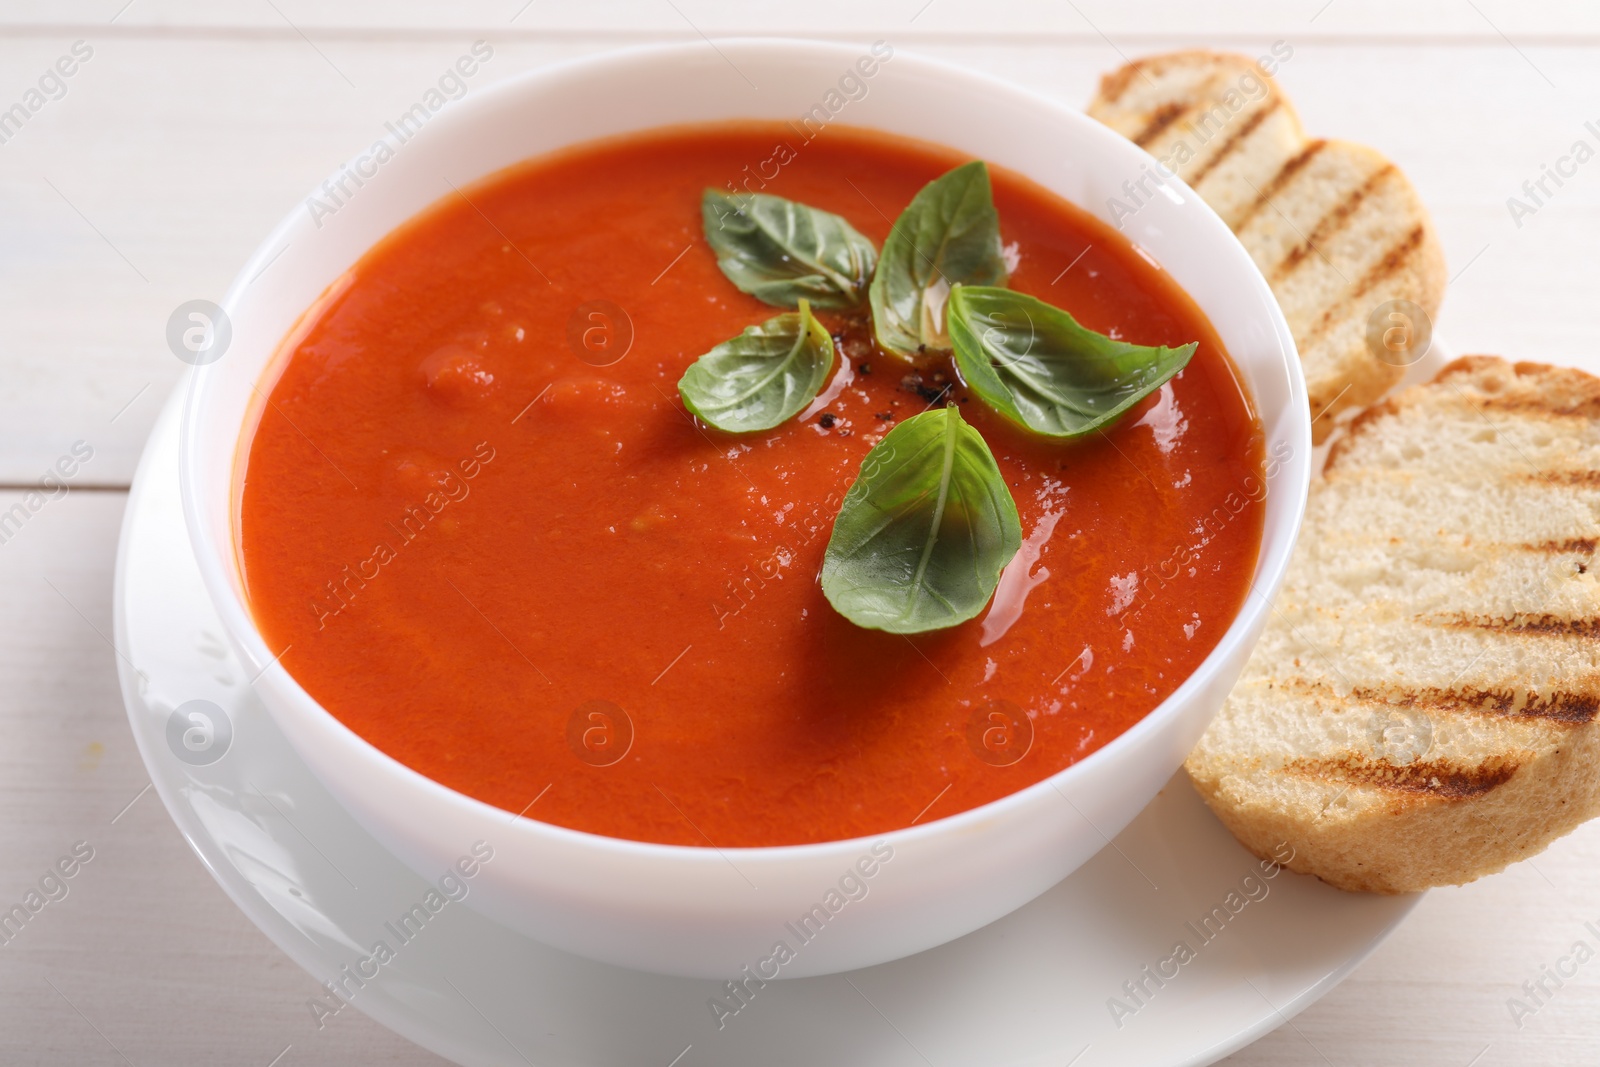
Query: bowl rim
1271, 564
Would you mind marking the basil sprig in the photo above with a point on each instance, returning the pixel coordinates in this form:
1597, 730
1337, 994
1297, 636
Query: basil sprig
763, 376
782, 252
924, 532
929, 524
948, 235
1039, 368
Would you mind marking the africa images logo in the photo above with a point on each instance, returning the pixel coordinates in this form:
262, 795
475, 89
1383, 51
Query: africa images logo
740, 991
451, 886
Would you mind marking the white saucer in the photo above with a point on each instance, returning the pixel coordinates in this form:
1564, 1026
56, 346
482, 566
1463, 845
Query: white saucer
1031, 989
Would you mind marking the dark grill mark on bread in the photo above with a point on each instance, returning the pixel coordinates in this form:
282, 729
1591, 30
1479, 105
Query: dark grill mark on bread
1285, 175
1561, 706
1581, 479
1571, 708
1235, 139
1435, 779
1584, 545
1391, 262
1165, 116
1331, 223
1523, 623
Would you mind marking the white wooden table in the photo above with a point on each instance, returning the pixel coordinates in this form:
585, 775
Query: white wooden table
192, 127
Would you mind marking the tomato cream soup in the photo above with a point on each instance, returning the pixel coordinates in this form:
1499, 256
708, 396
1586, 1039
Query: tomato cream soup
496, 545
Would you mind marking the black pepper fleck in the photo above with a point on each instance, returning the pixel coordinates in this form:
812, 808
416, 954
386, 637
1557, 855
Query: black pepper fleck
827, 420
912, 383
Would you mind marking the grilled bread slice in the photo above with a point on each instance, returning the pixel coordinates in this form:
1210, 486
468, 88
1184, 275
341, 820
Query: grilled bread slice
1335, 227
1421, 708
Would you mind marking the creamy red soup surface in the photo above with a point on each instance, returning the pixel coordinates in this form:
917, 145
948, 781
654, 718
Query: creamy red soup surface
476, 513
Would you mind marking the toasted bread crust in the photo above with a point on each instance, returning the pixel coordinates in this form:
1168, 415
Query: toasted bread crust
1337, 229
1422, 708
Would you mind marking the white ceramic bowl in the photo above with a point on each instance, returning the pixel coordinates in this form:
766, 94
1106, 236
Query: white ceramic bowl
699, 911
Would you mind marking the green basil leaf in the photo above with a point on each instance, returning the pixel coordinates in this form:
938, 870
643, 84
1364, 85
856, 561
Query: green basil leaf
948, 235
1039, 368
781, 251
763, 376
924, 532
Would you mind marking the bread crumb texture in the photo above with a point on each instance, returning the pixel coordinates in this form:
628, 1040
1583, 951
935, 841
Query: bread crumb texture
1420, 710
1335, 227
